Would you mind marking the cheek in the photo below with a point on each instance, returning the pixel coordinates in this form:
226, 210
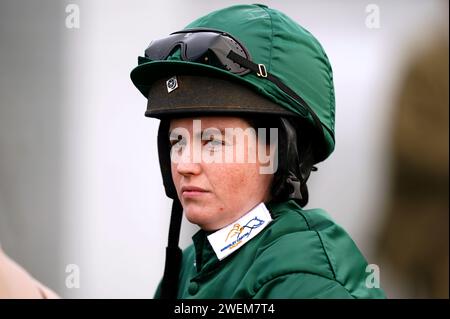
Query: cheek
175, 176
222, 177
232, 181
235, 180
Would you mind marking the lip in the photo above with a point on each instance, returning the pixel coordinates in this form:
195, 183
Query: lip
192, 191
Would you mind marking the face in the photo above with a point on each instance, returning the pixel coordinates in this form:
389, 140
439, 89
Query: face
217, 174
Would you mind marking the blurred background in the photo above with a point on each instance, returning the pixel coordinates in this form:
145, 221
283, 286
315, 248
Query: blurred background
79, 176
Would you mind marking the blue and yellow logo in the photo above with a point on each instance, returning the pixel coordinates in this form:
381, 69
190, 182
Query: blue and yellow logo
238, 232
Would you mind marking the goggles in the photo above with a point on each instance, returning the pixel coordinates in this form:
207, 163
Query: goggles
219, 49
202, 46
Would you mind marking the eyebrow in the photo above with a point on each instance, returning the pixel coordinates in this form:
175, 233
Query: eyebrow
200, 134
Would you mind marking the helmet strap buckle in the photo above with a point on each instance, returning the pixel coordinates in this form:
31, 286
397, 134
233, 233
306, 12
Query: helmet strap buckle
262, 72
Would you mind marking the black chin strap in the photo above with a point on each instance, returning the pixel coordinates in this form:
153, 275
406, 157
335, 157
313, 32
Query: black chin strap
169, 285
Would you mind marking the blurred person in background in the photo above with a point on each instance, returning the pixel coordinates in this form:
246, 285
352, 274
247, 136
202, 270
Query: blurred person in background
414, 237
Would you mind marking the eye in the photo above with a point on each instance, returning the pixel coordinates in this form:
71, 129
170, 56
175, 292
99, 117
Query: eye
215, 142
178, 144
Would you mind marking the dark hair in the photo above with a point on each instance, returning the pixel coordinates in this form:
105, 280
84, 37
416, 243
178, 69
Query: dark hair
298, 164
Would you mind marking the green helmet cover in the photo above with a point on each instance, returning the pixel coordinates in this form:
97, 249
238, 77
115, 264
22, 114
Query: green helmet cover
287, 50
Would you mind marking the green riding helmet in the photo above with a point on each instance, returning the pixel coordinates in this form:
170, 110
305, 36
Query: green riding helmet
279, 66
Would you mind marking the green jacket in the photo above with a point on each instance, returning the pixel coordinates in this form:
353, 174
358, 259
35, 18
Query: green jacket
300, 254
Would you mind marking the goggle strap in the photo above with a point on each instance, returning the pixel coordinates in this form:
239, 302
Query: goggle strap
256, 69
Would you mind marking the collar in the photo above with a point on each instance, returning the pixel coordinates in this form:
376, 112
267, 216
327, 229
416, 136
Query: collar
205, 257
232, 237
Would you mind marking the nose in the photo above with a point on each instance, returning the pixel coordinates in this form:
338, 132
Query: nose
188, 168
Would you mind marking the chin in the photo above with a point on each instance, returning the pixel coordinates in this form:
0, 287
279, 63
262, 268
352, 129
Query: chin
203, 217
196, 215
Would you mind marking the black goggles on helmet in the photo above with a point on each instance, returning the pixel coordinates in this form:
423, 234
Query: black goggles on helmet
219, 49
202, 46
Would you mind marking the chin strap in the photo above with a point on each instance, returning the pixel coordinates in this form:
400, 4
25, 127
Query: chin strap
169, 285
294, 185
